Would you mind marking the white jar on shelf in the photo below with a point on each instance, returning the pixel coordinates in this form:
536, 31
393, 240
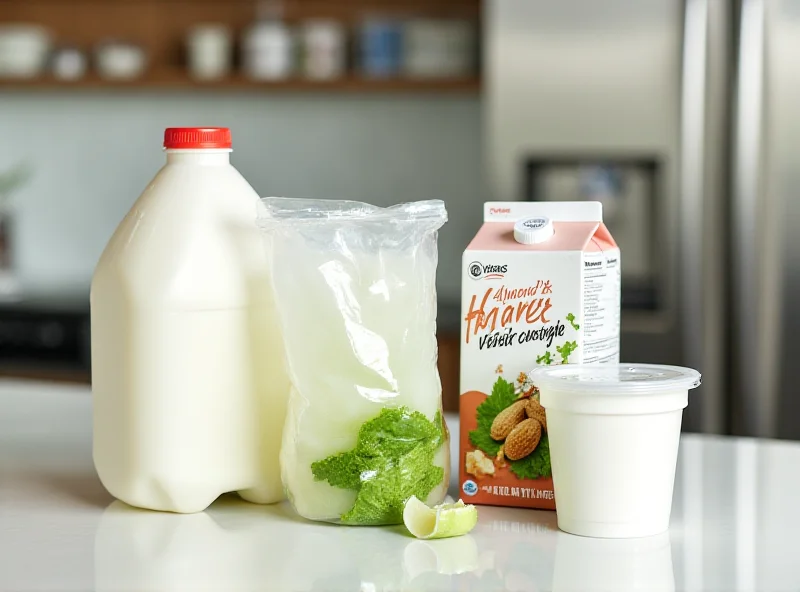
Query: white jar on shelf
24, 49
439, 48
209, 51
117, 60
69, 63
268, 51
323, 45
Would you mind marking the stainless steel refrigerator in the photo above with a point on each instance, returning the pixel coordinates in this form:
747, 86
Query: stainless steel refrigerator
683, 118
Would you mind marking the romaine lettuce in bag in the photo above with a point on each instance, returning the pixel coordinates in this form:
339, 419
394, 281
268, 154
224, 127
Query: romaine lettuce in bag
355, 293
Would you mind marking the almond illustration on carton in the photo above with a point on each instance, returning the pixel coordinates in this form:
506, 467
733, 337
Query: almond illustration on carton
507, 420
523, 439
534, 410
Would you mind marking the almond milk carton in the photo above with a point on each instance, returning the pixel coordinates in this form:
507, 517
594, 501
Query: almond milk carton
540, 285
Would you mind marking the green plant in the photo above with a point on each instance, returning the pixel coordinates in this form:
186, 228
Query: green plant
11, 181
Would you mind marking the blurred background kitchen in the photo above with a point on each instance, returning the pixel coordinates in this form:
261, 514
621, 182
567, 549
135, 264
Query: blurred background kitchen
679, 115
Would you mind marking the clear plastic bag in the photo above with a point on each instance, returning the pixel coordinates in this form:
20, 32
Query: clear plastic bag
355, 293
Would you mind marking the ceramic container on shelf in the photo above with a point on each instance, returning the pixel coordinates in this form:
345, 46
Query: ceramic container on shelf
118, 60
268, 51
439, 48
379, 47
24, 49
323, 49
210, 51
68, 63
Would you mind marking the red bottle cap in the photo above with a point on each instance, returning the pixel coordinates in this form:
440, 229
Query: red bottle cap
197, 137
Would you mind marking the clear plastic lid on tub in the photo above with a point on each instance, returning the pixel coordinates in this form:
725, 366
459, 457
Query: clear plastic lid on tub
618, 379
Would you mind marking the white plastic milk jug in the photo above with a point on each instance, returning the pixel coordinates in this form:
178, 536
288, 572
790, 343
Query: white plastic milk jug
187, 371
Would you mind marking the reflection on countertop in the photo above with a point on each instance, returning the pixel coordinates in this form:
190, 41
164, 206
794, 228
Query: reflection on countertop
134, 549
734, 527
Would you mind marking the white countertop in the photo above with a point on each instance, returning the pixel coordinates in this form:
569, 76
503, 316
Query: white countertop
735, 524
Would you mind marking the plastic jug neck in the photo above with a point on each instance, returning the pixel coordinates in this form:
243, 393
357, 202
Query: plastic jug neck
203, 157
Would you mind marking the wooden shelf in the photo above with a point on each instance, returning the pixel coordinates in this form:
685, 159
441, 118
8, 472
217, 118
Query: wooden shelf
160, 27
176, 80
67, 375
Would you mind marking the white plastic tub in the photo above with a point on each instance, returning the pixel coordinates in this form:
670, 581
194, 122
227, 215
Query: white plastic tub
614, 434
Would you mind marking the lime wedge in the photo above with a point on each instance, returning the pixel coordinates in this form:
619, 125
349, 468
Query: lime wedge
438, 522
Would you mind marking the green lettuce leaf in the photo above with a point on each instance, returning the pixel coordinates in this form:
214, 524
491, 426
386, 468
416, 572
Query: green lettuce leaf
380, 499
342, 470
392, 460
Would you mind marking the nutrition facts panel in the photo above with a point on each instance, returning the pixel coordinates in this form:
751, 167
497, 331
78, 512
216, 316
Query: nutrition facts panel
601, 305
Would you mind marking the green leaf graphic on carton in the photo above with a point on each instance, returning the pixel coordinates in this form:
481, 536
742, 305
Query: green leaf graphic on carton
571, 319
502, 396
392, 460
566, 350
533, 466
545, 359
536, 464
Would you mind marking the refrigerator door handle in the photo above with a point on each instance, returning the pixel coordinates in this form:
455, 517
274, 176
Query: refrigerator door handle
754, 391
693, 118
701, 273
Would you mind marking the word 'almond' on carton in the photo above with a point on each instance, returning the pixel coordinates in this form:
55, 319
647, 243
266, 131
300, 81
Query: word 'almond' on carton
540, 286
